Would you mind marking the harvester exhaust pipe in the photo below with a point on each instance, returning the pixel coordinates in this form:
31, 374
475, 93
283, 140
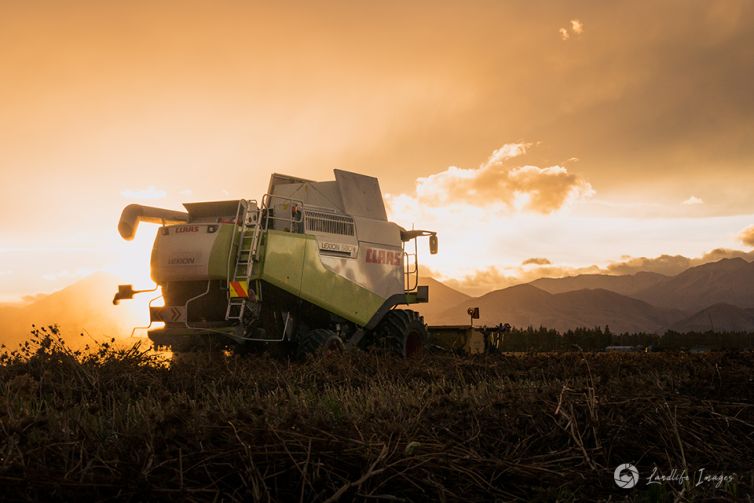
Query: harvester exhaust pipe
135, 213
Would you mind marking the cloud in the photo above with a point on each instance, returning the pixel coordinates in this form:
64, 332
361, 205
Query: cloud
577, 28
150, 192
476, 283
507, 151
671, 265
693, 200
493, 278
523, 188
721, 253
536, 261
747, 236
664, 264
482, 281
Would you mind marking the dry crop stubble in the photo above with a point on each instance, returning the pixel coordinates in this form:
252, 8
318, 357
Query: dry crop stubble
120, 423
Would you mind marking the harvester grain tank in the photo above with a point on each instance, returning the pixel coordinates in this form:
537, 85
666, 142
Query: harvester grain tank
311, 266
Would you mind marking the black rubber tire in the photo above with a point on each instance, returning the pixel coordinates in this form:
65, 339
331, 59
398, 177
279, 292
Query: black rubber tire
402, 332
319, 341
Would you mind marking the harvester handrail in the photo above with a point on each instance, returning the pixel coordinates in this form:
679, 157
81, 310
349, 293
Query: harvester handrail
411, 274
186, 308
149, 306
322, 209
295, 219
231, 264
192, 299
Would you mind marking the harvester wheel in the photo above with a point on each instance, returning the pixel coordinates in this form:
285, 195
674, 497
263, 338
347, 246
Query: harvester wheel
403, 332
319, 341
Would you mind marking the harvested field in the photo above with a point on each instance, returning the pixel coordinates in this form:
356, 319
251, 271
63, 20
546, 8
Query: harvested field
118, 424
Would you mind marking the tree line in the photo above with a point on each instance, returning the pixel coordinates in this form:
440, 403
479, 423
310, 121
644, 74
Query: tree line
602, 339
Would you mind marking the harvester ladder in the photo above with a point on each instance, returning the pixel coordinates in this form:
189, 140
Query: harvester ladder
248, 216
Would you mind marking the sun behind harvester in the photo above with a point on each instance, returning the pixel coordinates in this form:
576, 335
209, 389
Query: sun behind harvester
315, 266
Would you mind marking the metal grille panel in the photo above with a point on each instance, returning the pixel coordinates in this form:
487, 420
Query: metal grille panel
329, 223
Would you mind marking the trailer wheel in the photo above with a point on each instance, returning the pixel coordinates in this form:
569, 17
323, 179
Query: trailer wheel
319, 341
403, 332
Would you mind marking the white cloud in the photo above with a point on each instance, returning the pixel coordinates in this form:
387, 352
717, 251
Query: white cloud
476, 237
693, 200
747, 236
150, 192
577, 28
507, 151
522, 188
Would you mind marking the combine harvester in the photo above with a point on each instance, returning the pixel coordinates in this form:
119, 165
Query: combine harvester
315, 266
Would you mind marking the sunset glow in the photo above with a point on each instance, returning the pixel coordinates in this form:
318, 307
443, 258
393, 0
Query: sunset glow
587, 135
410, 250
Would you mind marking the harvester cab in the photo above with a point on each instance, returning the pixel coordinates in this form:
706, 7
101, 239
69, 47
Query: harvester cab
312, 266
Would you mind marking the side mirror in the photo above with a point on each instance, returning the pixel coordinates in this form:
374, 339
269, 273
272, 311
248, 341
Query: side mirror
124, 292
433, 244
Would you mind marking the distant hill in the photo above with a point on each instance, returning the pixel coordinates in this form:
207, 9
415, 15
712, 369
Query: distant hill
526, 305
524, 302
85, 306
440, 297
728, 281
717, 294
717, 318
624, 285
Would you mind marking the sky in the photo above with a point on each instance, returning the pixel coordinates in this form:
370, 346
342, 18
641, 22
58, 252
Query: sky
537, 138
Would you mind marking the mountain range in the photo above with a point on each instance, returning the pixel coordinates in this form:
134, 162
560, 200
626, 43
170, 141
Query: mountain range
716, 296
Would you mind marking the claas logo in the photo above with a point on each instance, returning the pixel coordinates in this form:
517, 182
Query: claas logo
389, 257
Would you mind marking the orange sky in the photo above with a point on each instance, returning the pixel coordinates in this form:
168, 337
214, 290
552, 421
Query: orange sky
622, 113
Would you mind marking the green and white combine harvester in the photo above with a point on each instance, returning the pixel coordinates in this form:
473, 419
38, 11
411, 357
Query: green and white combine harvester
313, 266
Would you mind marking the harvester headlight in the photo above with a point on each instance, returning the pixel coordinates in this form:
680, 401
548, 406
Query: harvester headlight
211, 229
